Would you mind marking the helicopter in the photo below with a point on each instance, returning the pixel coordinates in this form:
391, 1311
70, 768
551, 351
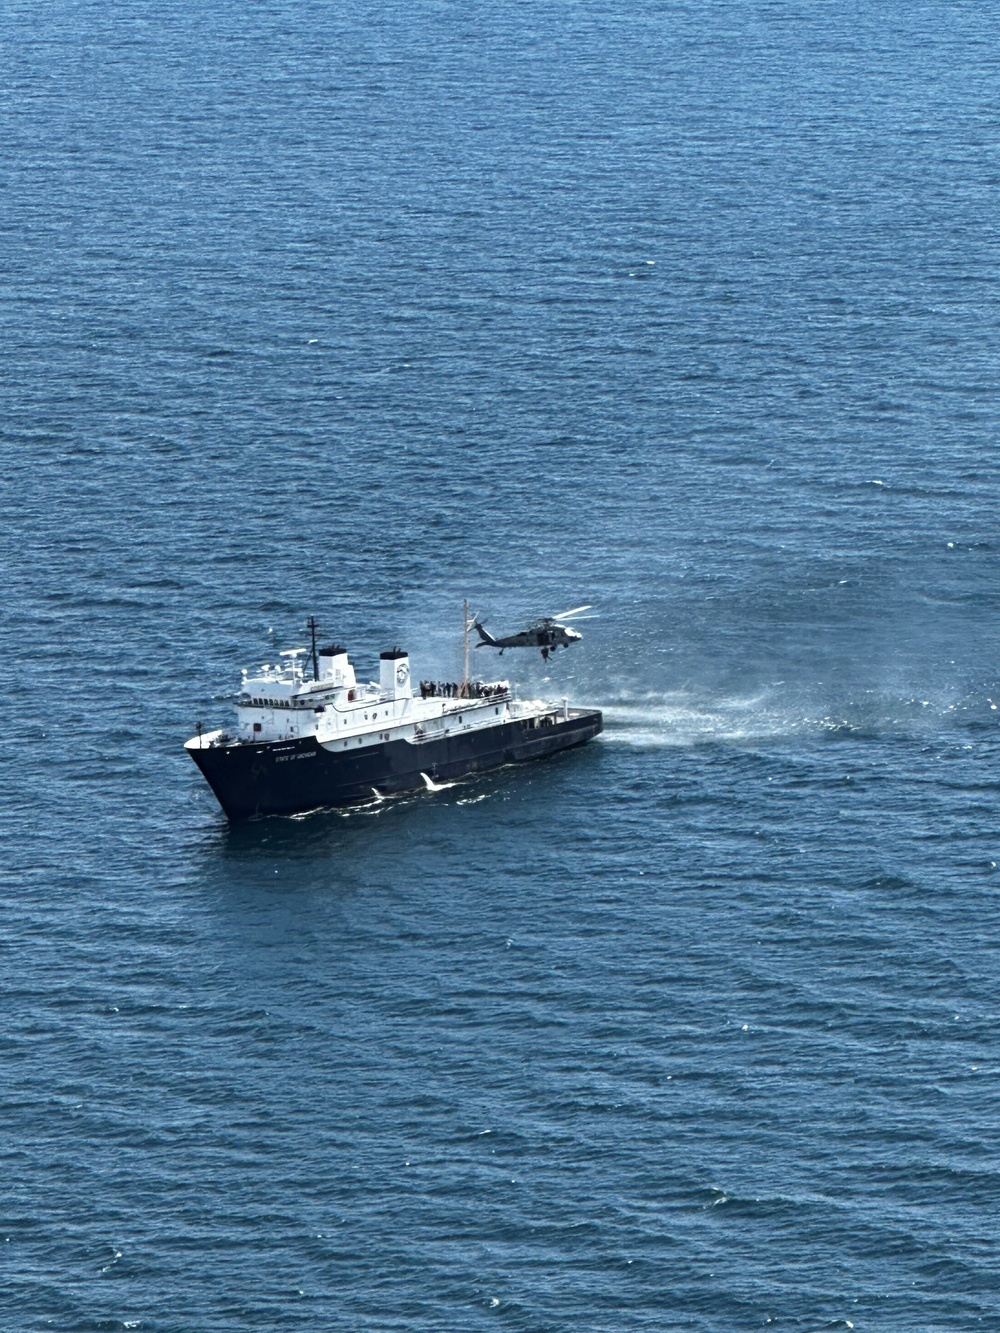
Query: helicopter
548, 634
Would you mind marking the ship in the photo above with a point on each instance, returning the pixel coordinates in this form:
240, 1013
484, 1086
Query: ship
309, 735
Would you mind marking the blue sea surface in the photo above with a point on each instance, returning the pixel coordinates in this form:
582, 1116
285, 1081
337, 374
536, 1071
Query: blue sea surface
685, 310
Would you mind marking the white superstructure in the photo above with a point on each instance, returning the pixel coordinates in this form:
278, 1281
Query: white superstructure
289, 701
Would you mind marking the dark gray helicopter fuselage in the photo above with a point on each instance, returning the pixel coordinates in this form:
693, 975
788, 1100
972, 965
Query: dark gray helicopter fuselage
546, 635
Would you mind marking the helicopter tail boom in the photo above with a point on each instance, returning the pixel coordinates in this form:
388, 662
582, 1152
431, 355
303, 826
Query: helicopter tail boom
484, 637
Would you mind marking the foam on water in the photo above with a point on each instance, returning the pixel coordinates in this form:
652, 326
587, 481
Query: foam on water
685, 718
678, 718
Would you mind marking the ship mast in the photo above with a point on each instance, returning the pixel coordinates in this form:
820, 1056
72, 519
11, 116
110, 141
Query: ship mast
465, 632
312, 627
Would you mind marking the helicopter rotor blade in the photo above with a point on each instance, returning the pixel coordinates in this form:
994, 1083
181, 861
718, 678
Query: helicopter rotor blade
566, 615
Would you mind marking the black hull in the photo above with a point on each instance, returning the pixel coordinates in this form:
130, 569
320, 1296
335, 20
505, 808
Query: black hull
289, 777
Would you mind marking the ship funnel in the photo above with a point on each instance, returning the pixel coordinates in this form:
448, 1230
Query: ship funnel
394, 674
335, 667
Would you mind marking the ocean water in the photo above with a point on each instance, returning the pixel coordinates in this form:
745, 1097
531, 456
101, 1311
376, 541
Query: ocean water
685, 310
